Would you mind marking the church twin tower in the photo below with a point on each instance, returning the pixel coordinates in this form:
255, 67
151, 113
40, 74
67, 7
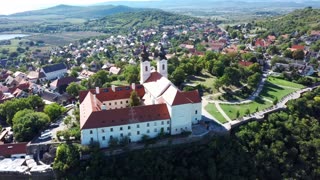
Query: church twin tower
145, 64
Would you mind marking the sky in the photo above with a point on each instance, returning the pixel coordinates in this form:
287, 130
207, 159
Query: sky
14, 6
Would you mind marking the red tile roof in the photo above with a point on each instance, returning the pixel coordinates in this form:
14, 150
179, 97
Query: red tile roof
11, 149
175, 97
117, 117
63, 81
297, 47
245, 63
193, 96
154, 76
261, 43
106, 94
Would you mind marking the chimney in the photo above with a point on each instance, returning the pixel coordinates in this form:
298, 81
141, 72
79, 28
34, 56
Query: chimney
113, 87
97, 90
133, 86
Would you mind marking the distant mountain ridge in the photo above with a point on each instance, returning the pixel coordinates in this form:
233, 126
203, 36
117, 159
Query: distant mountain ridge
86, 12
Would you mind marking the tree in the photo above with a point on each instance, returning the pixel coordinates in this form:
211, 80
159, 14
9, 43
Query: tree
35, 101
178, 76
287, 53
247, 111
134, 99
27, 124
231, 76
67, 158
275, 101
74, 73
254, 79
298, 54
74, 88
54, 111
131, 74
9, 108
238, 114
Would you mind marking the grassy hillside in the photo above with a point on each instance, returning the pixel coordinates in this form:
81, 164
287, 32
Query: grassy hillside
301, 21
135, 20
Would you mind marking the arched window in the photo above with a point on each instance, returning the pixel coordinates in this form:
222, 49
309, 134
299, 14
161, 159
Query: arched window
146, 69
163, 67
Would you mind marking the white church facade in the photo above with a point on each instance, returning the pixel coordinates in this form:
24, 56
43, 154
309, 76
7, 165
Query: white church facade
105, 113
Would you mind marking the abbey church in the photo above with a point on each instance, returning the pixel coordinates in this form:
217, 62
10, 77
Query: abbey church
105, 112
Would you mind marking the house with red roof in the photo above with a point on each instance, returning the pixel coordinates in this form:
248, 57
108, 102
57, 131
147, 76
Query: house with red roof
262, 43
105, 113
13, 150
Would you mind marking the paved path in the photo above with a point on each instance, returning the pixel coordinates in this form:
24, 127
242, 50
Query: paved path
222, 111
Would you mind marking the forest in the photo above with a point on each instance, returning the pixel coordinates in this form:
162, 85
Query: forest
285, 145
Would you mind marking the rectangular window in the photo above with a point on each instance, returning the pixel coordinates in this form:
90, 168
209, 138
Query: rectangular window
127, 101
155, 123
115, 103
120, 128
129, 134
155, 130
120, 102
103, 138
168, 129
138, 126
90, 131
196, 112
148, 125
148, 131
109, 104
129, 127
138, 132
121, 135
111, 129
111, 137
102, 130
91, 139
162, 123
168, 122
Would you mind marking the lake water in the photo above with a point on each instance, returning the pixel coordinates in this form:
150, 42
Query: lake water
11, 36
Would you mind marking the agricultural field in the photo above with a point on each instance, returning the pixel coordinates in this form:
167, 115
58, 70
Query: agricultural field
64, 38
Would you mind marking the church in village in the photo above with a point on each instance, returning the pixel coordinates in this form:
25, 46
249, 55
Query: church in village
105, 113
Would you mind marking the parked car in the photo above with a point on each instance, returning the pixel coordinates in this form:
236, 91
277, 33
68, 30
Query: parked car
45, 135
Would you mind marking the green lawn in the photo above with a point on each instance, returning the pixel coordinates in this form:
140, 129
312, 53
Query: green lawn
282, 82
231, 110
205, 79
211, 108
271, 91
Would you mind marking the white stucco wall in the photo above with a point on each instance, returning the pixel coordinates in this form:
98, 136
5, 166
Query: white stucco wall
196, 112
144, 75
162, 67
181, 118
117, 104
135, 132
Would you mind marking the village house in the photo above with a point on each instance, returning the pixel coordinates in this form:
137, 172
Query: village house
54, 71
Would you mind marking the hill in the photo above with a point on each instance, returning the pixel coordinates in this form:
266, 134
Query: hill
302, 21
134, 20
66, 11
